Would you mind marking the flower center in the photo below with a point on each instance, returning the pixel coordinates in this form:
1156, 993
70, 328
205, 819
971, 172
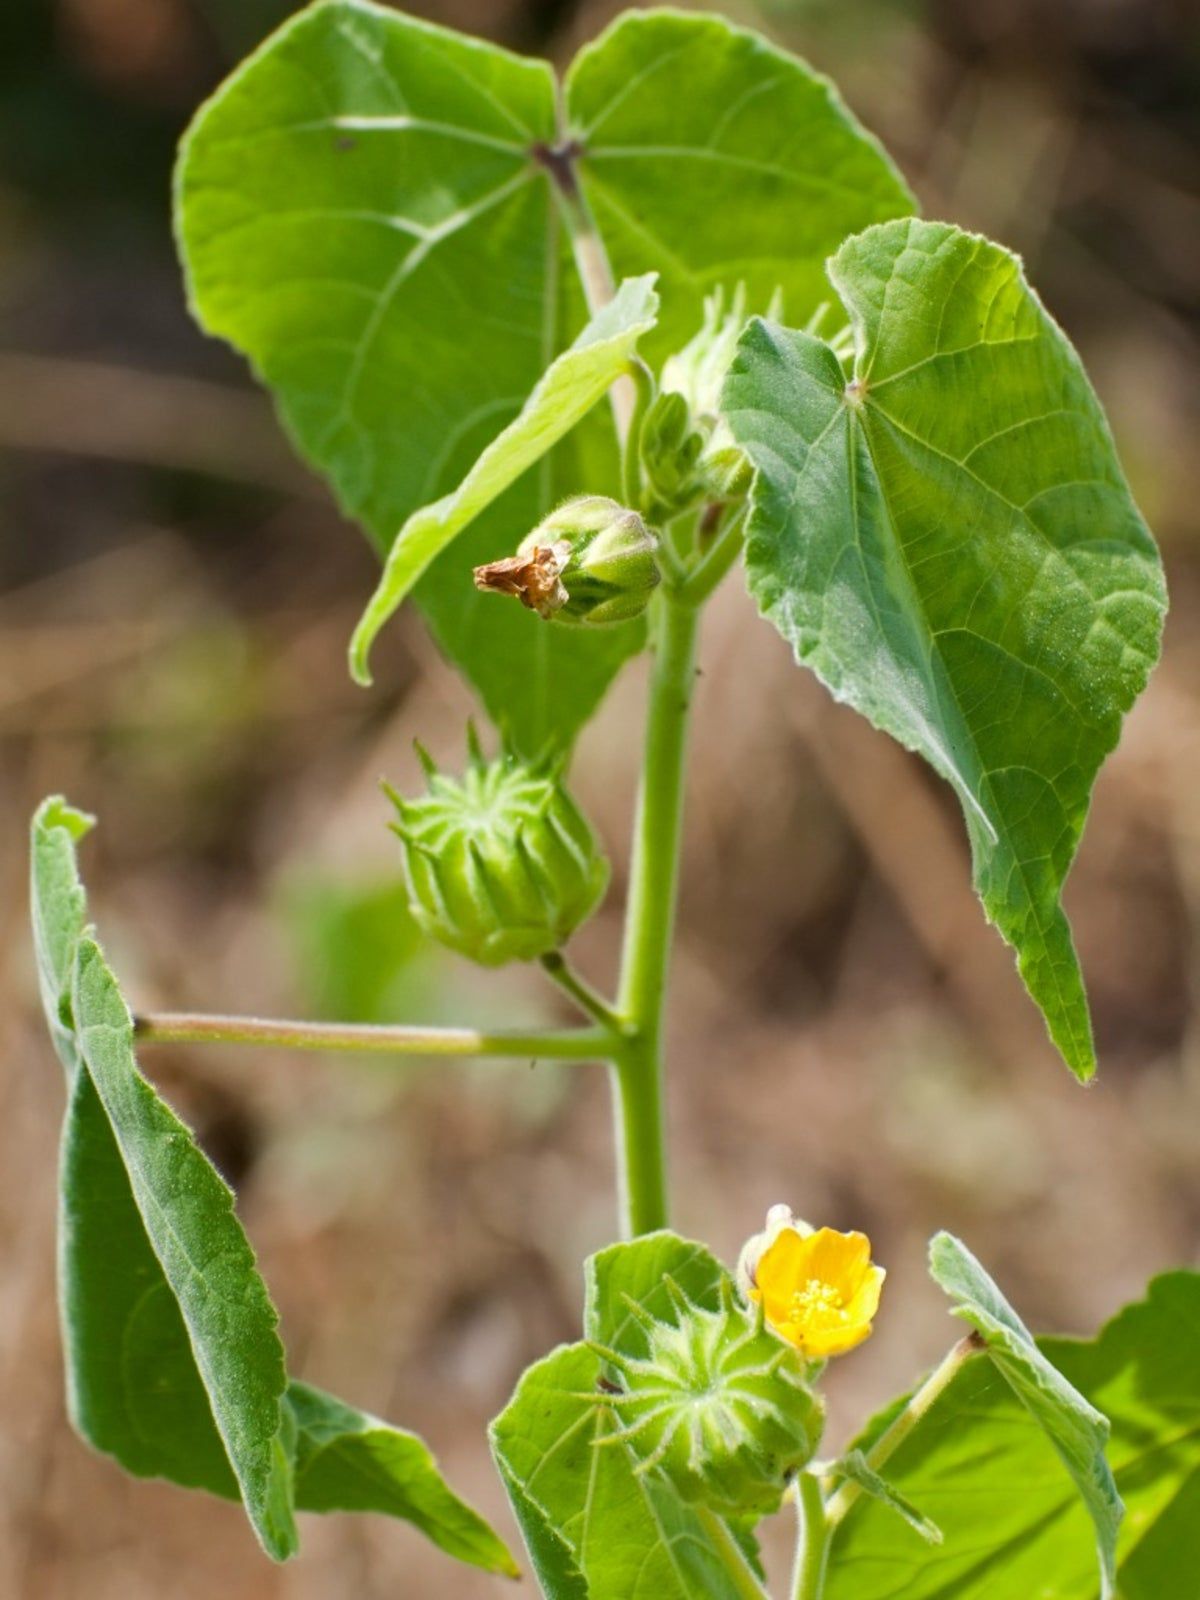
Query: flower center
815, 1299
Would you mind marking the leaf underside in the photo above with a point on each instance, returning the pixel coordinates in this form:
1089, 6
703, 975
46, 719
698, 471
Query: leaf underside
361, 211
945, 537
1078, 1432
174, 1365
982, 1467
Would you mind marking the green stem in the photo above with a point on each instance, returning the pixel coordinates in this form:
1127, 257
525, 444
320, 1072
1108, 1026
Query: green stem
812, 1546
914, 1412
650, 919
737, 1568
631, 468
559, 969
563, 1044
718, 561
591, 262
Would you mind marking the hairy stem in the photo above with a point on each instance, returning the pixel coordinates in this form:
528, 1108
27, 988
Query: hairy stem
812, 1543
737, 1568
564, 1044
914, 1412
591, 258
650, 919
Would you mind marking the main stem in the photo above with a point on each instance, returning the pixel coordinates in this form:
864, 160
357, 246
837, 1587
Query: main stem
812, 1547
654, 873
650, 919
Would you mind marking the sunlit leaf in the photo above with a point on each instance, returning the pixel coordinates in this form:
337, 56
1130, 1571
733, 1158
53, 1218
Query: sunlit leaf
1015, 1526
944, 535
365, 210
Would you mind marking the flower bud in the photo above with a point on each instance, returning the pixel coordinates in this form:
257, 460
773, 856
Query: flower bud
718, 1406
501, 865
591, 561
688, 453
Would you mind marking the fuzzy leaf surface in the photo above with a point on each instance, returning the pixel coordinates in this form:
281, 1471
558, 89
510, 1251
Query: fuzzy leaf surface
361, 213
187, 1213
571, 386
945, 537
1076, 1429
174, 1366
987, 1473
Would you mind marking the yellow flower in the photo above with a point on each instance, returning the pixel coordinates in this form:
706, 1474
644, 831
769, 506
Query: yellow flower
819, 1291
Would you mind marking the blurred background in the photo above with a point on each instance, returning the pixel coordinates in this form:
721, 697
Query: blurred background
175, 598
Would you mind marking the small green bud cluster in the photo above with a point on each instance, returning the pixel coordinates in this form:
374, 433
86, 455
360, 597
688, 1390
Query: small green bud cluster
688, 454
501, 864
719, 1406
591, 562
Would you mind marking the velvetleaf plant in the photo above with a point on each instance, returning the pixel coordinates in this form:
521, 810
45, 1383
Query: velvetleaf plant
570, 352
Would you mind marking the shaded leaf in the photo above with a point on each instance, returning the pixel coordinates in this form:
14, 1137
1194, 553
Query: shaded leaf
946, 538
345, 1460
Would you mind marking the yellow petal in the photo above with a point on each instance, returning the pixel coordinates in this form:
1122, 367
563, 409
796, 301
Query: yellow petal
864, 1303
820, 1343
838, 1259
780, 1269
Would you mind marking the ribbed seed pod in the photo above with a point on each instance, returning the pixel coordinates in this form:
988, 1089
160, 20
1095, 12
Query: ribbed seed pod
501, 864
718, 1406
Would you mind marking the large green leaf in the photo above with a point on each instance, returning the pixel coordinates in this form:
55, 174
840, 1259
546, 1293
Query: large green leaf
946, 538
570, 387
1076, 1429
174, 1366
363, 212
1014, 1527
711, 155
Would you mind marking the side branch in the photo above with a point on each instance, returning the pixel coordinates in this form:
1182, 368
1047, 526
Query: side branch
564, 1044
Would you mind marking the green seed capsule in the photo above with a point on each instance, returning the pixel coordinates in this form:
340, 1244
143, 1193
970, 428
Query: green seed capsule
719, 1406
591, 561
501, 864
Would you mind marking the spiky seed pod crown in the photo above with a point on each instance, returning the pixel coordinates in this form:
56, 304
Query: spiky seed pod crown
718, 1405
501, 864
591, 561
